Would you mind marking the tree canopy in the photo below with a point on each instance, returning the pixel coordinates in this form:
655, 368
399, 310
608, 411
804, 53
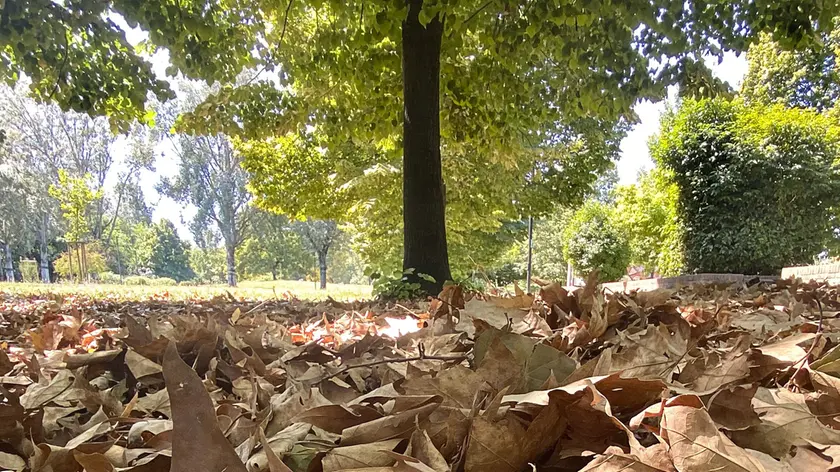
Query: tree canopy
806, 78
529, 93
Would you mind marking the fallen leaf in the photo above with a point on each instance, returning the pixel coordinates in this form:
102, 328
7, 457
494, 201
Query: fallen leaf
197, 441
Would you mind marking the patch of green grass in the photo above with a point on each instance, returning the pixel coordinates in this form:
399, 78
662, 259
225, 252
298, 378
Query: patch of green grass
253, 290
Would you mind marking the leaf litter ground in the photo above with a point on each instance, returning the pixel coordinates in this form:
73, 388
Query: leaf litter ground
705, 378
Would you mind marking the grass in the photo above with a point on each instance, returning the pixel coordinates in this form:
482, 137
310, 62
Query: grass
256, 290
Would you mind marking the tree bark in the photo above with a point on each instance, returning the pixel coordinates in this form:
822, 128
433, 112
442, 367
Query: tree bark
230, 251
8, 268
44, 254
424, 216
322, 264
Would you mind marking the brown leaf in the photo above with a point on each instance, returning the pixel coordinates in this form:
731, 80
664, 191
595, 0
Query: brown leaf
618, 461
11, 462
93, 462
335, 418
360, 456
420, 447
697, 446
399, 425
197, 441
141, 366
495, 446
157, 402
274, 462
785, 421
732, 408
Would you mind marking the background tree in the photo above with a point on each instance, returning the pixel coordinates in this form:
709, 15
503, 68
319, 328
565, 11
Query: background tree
168, 254
807, 78
273, 247
320, 236
211, 178
549, 262
75, 198
458, 66
647, 212
17, 217
591, 241
757, 186
42, 139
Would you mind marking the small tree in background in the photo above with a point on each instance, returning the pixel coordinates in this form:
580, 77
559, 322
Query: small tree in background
75, 197
757, 186
319, 236
591, 241
647, 213
168, 256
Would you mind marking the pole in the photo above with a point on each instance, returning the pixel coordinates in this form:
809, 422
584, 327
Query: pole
530, 251
570, 274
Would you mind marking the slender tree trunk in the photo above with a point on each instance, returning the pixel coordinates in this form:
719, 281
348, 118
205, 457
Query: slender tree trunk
322, 264
8, 268
274, 270
230, 251
44, 260
424, 216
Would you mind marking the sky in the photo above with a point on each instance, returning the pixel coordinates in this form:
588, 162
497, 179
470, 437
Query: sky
633, 159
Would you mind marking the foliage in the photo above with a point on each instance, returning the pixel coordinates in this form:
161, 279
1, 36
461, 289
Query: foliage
208, 264
109, 277
397, 286
95, 262
165, 281
273, 247
756, 185
647, 212
549, 234
522, 98
28, 270
138, 280
130, 251
169, 254
808, 78
74, 196
593, 242
210, 178
319, 236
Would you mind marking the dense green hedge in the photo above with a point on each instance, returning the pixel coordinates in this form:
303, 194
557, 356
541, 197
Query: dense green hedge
758, 186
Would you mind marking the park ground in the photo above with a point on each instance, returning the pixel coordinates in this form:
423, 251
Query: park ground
250, 290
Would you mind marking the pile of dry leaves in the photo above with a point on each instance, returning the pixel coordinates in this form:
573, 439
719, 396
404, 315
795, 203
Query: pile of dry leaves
701, 379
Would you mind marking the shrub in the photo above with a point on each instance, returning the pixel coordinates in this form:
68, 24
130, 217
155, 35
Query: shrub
593, 242
757, 186
137, 280
164, 281
109, 278
95, 262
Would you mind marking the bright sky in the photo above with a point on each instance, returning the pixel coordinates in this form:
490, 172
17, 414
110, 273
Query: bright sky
634, 149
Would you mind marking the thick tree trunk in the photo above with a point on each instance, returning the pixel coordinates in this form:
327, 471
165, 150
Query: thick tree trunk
44, 253
230, 251
274, 271
322, 264
8, 268
424, 216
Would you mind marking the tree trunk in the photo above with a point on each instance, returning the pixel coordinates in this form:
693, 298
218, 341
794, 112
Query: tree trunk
322, 264
230, 251
8, 268
424, 216
44, 254
274, 270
